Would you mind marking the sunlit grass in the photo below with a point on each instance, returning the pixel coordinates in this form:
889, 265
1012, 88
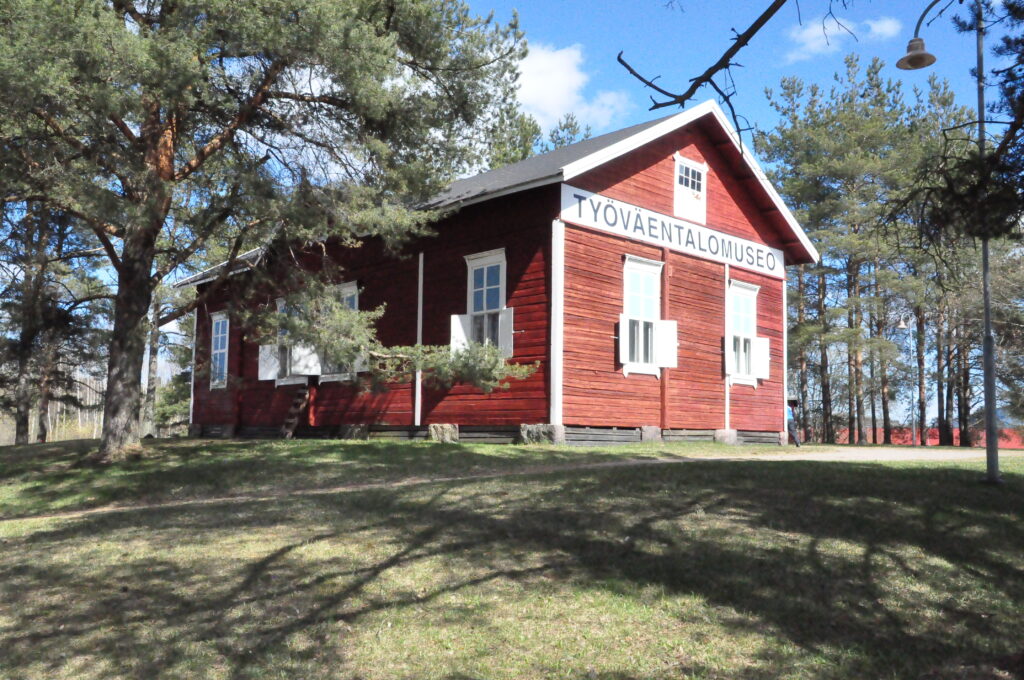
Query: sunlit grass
711, 569
43, 478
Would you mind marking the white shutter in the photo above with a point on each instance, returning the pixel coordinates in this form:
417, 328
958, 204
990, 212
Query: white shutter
730, 359
270, 364
505, 331
305, 360
623, 334
462, 331
760, 360
666, 344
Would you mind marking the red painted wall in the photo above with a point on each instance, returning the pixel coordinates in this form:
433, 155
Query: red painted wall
596, 391
520, 224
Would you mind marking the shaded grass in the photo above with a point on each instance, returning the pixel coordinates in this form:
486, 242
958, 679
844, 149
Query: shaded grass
42, 478
707, 570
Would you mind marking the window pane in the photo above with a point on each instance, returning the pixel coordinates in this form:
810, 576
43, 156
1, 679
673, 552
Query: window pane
478, 301
746, 357
492, 328
492, 298
648, 342
478, 328
478, 277
633, 337
493, 275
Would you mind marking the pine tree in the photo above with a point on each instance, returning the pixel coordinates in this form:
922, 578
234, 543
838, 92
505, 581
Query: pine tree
170, 128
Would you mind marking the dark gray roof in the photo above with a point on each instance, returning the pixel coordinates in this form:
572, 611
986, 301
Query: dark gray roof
246, 260
531, 170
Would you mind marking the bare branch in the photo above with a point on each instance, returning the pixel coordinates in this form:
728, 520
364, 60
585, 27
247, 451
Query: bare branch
723, 62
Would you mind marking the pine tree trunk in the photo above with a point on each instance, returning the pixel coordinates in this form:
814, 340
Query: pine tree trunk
964, 390
871, 397
922, 394
46, 369
828, 432
149, 408
123, 396
950, 383
43, 417
22, 402
940, 323
801, 320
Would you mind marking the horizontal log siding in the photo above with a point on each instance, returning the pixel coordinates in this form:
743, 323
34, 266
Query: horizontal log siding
646, 177
697, 302
521, 224
215, 407
761, 409
596, 392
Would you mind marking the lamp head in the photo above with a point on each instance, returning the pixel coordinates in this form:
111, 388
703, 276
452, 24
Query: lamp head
917, 56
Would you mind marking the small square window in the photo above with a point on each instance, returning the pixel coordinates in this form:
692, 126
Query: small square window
691, 190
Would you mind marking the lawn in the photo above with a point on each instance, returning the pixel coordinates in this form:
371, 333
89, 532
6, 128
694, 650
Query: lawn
707, 569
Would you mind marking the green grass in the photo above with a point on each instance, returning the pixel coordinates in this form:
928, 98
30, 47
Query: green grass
42, 478
709, 569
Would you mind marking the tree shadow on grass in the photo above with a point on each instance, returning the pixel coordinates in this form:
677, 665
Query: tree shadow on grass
48, 480
873, 571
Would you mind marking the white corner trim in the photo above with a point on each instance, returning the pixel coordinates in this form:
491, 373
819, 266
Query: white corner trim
192, 378
557, 329
417, 418
785, 356
726, 349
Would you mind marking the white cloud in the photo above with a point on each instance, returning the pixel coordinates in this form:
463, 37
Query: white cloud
552, 82
817, 36
883, 28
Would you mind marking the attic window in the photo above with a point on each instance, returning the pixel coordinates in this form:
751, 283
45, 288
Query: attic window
691, 190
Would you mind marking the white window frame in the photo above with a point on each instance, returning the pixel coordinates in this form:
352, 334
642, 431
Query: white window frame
746, 342
478, 261
663, 333
690, 204
216, 318
343, 291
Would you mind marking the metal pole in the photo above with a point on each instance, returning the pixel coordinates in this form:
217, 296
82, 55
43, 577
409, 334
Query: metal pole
988, 345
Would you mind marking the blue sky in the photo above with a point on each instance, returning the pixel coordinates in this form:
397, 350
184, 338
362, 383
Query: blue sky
574, 43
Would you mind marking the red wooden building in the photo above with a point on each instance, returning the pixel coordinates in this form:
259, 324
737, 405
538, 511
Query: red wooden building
644, 270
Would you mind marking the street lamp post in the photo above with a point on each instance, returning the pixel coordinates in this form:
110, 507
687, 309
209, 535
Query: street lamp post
916, 58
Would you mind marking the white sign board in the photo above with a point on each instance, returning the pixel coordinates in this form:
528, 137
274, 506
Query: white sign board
624, 219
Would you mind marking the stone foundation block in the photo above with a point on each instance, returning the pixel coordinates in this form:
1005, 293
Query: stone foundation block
542, 433
443, 432
650, 433
726, 436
